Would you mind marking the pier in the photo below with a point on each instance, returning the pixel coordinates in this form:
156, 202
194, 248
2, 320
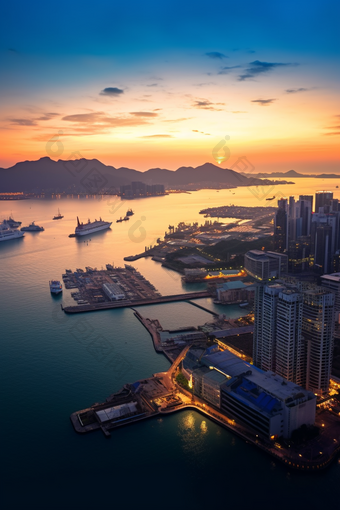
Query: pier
109, 305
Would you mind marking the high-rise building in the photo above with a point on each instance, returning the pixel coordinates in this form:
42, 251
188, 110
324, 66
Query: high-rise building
264, 336
322, 198
293, 333
331, 282
318, 330
281, 226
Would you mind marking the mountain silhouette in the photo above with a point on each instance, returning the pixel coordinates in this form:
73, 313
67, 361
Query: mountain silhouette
76, 176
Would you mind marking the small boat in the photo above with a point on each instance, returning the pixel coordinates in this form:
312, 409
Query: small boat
270, 198
58, 216
32, 228
129, 212
126, 218
120, 220
243, 305
55, 287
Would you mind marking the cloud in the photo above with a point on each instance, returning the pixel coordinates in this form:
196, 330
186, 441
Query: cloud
153, 85
111, 91
23, 122
201, 132
205, 104
263, 102
177, 120
94, 122
333, 130
226, 70
239, 111
216, 55
257, 68
48, 116
294, 91
144, 114
156, 136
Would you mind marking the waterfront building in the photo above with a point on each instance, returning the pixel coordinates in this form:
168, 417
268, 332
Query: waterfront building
113, 291
264, 401
264, 265
140, 189
235, 292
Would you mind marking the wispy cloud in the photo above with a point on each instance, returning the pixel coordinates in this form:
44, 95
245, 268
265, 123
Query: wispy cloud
157, 136
201, 132
333, 130
294, 91
257, 68
48, 116
111, 91
216, 55
263, 102
205, 104
226, 70
23, 122
95, 122
238, 111
177, 120
144, 114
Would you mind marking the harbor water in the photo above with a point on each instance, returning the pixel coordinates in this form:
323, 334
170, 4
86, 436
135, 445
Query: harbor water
53, 364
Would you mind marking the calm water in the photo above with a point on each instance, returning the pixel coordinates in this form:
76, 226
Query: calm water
52, 364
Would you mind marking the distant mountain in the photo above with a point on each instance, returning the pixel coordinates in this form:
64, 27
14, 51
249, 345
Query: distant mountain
92, 176
293, 173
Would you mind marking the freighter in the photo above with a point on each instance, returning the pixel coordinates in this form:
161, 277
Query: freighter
91, 227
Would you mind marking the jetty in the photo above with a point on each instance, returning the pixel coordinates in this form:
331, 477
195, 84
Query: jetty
109, 305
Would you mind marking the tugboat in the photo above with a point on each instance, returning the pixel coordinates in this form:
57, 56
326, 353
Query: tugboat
32, 228
129, 212
55, 287
58, 216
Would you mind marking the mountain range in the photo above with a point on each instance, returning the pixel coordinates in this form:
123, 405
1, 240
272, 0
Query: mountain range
293, 173
83, 175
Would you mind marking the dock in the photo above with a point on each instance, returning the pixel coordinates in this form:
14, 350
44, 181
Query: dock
109, 305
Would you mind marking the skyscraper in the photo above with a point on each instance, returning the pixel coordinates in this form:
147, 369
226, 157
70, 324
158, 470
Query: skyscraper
293, 333
281, 226
322, 198
318, 330
290, 352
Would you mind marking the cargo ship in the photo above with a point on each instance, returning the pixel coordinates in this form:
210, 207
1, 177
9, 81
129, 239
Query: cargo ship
83, 229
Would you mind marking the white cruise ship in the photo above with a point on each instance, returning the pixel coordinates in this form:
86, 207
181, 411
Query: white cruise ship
7, 233
83, 229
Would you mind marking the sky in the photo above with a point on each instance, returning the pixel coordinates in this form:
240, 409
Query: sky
248, 85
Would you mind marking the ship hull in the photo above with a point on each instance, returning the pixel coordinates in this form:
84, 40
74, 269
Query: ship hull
79, 232
10, 237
